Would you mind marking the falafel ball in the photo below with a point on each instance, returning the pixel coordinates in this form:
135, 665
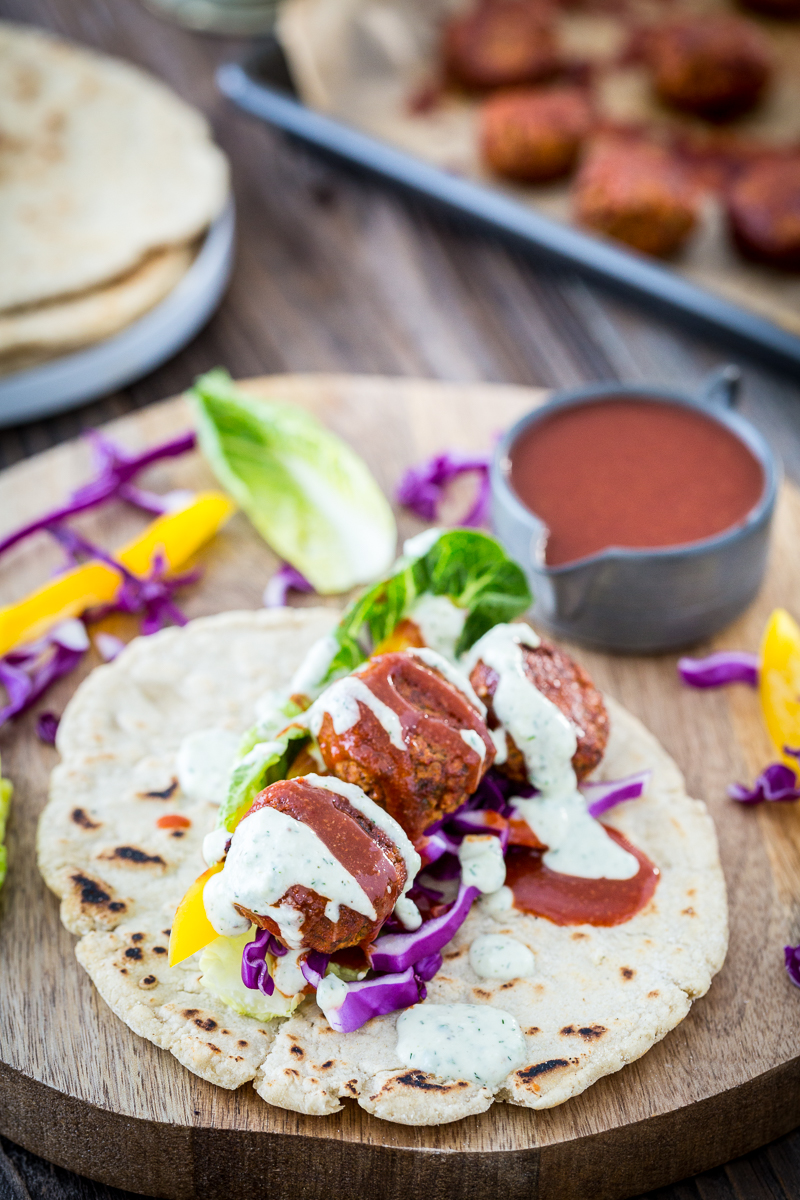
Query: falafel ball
716, 66
501, 43
637, 193
565, 683
764, 213
412, 740
360, 847
534, 135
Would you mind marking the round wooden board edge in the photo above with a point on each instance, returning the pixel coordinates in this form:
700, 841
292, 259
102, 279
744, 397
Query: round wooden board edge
202, 1163
84, 1138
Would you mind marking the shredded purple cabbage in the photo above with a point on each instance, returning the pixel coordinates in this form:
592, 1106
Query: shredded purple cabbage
284, 579
397, 951
314, 966
116, 468
47, 727
717, 670
602, 796
422, 487
792, 958
374, 998
255, 971
28, 671
480, 821
426, 968
151, 595
777, 783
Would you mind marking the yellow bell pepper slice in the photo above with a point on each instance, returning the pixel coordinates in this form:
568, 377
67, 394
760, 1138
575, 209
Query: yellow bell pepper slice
191, 928
779, 682
177, 535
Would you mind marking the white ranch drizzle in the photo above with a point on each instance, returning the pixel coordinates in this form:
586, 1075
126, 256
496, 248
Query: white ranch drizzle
474, 741
496, 956
476, 1042
270, 852
500, 740
204, 762
577, 843
214, 844
379, 816
289, 979
499, 905
314, 667
482, 862
453, 674
341, 699
331, 993
408, 914
439, 621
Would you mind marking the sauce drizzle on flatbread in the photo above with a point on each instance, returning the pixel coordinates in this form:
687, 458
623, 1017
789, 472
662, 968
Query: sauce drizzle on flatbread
572, 900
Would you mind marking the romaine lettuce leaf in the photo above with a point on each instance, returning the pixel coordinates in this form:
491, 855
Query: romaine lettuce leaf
468, 567
6, 790
264, 763
306, 491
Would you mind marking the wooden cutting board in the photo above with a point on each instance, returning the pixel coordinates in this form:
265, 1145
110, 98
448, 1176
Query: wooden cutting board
79, 1088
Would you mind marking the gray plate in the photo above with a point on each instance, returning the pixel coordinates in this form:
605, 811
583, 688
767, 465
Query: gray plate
77, 378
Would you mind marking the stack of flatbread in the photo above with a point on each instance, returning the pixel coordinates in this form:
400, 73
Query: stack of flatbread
107, 184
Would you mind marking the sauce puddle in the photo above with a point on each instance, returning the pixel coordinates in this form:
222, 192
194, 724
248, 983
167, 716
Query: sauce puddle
625, 472
572, 900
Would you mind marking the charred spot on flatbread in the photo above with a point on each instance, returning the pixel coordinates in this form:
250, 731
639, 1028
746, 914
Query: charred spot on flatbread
90, 903
147, 982
132, 856
82, 818
528, 1074
133, 952
589, 1033
420, 1081
627, 972
167, 794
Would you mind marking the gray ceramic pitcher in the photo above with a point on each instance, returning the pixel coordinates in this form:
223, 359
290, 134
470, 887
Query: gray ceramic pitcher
642, 601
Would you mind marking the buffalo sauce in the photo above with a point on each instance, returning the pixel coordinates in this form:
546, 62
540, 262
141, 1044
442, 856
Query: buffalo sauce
573, 900
636, 473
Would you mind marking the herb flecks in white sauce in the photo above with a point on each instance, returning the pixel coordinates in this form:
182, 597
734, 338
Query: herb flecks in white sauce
497, 956
482, 862
479, 1043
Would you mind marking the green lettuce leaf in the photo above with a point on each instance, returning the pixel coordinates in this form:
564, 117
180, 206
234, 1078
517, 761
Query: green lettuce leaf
6, 791
263, 763
306, 491
467, 566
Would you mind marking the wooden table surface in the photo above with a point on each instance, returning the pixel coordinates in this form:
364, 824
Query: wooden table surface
337, 272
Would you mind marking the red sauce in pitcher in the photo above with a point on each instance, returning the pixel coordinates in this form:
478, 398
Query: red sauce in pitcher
625, 472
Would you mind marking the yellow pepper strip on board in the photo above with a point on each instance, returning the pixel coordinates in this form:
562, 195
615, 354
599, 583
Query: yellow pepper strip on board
779, 682
191, 928
177, 535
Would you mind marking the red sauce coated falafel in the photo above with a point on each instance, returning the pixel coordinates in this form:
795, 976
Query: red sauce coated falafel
434, 768
534, 135
638, 194
764, 212
715, 66
501, 43
564, 682
363, 849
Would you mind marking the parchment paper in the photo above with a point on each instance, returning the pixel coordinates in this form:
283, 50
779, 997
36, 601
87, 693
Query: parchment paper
365, 61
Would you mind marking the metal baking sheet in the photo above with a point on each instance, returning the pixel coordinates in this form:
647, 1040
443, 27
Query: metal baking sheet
262, 85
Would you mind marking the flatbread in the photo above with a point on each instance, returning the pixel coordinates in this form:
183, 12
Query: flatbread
599, 998
34, 335
101, 165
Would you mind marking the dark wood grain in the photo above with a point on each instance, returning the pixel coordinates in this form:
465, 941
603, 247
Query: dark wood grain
335, 272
